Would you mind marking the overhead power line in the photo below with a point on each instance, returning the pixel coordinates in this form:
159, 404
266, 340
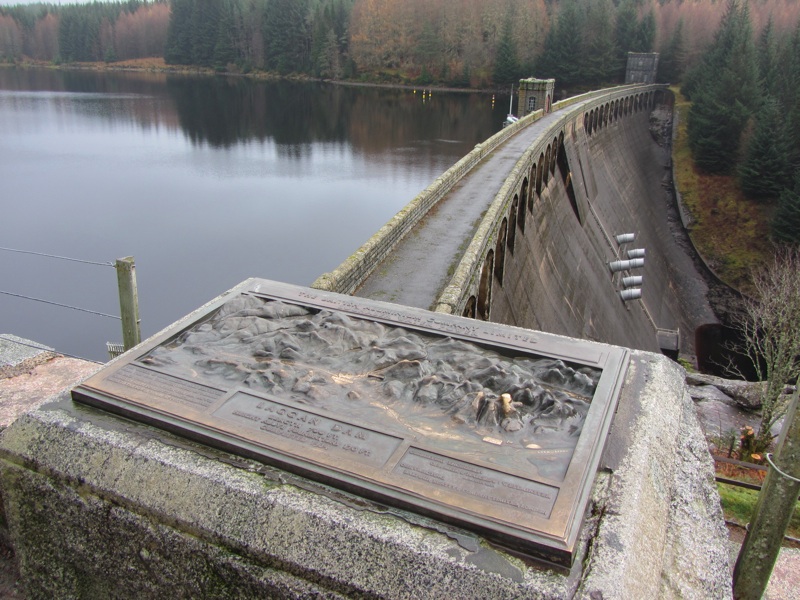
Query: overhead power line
88, 262
86, 310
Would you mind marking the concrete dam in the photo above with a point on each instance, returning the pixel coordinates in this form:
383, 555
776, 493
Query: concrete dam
524, 230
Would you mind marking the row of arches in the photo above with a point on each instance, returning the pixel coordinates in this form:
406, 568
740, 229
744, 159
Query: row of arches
535, 178
601, 116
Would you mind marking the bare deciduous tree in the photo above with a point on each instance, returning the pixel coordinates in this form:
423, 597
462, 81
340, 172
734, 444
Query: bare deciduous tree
770, 329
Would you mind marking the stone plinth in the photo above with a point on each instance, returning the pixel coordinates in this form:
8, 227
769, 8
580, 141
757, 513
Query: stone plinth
100, 506
483, 426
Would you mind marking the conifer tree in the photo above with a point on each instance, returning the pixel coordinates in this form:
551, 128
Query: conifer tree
506, 65
792, 125
178, 50
789, 86
645, 33
726, 94
546, 65
786, 221
563, 51
768, 60
288, 34
224, 51
204, 26
428, 50
331, 60
626, 32
600, 48
765, 171
329, 38
673, 57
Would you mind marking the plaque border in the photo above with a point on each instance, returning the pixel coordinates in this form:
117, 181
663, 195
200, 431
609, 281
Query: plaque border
553, 540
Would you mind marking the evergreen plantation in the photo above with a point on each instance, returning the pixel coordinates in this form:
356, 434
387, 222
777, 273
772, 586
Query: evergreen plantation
739, 61
745, 114
473, 43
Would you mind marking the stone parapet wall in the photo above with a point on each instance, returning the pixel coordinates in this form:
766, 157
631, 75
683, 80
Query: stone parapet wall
465, 281
346, 278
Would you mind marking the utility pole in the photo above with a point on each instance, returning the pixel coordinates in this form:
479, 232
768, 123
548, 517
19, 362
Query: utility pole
773, 511
128, 302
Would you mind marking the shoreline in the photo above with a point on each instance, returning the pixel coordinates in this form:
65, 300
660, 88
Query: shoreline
254, 75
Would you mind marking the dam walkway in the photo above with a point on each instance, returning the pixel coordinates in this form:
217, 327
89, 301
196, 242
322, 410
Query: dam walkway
421, 264
523, 229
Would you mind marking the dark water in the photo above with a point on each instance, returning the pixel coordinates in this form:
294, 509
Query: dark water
206, 181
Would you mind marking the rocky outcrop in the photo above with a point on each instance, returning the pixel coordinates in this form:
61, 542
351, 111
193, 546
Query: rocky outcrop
661, 125
745, 394
725, 406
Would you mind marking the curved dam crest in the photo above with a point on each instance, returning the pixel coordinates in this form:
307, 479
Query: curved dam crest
551, 196
557, 278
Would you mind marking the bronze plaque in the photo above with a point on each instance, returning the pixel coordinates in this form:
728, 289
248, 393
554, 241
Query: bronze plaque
488, 427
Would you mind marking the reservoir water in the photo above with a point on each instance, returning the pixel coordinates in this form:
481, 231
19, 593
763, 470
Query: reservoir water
205, 181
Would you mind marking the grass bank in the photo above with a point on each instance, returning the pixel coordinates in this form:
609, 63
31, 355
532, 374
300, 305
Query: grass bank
730, 232
738, 505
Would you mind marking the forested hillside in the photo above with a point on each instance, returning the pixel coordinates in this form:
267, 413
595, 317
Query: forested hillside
744, 121
739, 61
454, 42
83, 32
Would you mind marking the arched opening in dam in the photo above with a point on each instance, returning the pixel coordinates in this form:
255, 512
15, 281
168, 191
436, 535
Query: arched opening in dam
512, 228
550, 198
614, 176
500, 252
485, 289
566, 178
524, 197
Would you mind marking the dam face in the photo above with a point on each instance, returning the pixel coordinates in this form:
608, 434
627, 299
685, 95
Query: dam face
563, 222
610, 176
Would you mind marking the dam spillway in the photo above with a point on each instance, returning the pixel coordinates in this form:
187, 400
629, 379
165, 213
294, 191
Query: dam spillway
522, 231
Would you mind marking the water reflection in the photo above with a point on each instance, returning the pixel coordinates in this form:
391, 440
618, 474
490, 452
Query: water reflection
294, 115
225, 111
205, 180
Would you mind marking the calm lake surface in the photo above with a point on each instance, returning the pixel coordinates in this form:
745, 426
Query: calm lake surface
205, 181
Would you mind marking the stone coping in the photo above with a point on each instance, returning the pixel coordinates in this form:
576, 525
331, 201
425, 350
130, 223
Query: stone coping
15, 350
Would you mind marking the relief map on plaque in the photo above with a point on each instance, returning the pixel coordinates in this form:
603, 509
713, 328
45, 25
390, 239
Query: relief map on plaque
479, 424
454, 394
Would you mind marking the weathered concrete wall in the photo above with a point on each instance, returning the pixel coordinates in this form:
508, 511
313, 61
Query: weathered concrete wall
557, 277
541, 257
101, 507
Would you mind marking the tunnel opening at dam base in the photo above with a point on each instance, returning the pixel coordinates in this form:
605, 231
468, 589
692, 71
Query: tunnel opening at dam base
720, 351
